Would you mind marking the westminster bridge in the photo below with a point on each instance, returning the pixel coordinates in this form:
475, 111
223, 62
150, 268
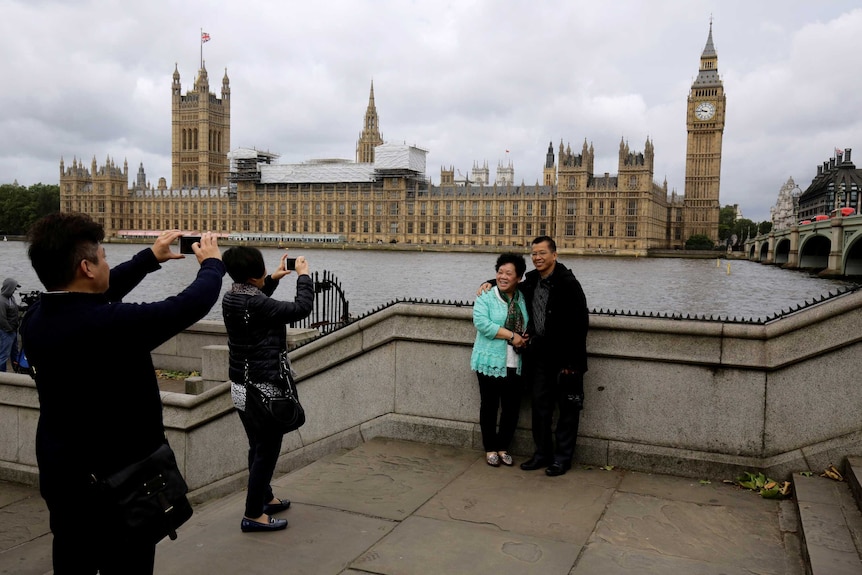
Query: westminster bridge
831, 246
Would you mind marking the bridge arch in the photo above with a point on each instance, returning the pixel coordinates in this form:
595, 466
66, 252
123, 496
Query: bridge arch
751, 252
814, 252
853, 257
782, 251
764, 251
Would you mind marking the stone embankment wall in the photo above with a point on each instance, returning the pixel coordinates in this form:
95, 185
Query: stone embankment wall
704, 399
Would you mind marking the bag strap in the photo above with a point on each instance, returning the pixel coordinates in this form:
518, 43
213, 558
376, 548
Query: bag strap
245, 317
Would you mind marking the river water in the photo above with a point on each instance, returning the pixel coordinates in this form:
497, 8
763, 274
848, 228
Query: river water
370, 279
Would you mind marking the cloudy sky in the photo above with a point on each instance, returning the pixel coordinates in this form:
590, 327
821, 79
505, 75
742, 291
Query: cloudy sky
466, 80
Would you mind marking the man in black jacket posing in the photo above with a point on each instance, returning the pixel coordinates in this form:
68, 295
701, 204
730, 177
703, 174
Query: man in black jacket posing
100, 407
556, 356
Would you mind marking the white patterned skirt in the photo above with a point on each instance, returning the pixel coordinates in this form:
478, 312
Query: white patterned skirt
237, 392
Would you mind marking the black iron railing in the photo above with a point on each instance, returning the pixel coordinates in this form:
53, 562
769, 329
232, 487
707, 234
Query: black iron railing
331, 309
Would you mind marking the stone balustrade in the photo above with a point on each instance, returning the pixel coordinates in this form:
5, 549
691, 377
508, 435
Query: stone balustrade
704, 399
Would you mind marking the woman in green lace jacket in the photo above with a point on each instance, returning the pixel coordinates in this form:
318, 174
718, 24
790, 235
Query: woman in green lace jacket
500, 317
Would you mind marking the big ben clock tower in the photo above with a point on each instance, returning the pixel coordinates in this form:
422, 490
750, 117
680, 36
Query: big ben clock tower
705, 125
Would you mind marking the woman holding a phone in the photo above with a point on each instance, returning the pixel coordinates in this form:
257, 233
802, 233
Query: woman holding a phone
257, 343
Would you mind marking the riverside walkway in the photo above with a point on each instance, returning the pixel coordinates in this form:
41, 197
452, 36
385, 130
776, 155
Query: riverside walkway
394, 507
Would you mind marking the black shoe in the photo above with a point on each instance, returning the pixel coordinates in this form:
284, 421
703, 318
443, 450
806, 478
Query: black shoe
534, 463
274, 524
282, 505
557, 468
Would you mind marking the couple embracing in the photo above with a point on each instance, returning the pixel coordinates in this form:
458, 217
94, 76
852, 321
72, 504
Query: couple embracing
533, 330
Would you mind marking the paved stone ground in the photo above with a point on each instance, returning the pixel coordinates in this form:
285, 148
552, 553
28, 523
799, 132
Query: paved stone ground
391, 507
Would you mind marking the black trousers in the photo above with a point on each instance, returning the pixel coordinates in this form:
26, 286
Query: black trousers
548, 395
501, 394
263, 451
85, 544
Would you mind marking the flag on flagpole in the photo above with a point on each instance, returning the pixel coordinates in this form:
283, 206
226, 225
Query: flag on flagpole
204, 37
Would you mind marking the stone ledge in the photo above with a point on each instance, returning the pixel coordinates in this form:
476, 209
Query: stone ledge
19, 473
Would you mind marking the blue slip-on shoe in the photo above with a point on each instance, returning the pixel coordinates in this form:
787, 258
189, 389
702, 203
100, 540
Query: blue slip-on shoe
282, 505
274, 524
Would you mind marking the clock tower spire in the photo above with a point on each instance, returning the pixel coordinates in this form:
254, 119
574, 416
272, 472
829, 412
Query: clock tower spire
705, 126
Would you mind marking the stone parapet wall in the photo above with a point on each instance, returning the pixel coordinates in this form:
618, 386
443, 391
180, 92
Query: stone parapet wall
705, 399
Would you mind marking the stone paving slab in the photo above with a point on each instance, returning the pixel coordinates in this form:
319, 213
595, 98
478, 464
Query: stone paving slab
23, 515
381, 478
25, 536
694, 491
606, 558
391, 507
317, 541
425, 546
31, 558
564, 508
12, 492
730, 537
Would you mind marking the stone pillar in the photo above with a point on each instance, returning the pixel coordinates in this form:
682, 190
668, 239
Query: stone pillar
770, 252
214, 360
836, 253
793, 255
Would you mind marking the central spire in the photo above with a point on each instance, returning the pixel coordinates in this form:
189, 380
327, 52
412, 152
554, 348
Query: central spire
370, 136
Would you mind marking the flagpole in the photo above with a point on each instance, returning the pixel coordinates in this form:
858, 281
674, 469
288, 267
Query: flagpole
202, 49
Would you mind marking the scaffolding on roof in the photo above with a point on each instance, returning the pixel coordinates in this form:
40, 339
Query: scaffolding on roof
245, 164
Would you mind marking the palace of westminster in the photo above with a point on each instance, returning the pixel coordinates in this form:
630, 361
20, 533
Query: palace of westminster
384, 196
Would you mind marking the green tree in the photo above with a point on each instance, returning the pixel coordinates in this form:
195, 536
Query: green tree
699, 242
726, 221
764, 227
21, 206
744, 229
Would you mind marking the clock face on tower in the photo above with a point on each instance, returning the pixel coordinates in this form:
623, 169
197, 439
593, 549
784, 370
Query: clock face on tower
704, 110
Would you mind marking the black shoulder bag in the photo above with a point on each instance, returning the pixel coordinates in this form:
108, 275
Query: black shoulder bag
149, 497
274, 414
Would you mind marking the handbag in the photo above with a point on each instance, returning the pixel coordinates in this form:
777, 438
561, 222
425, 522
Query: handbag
274, 415
148, 498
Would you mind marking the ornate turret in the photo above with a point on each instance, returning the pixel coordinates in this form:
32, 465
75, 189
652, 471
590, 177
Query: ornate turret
549, 174
141, 180
202, 84
176, 87
370, 136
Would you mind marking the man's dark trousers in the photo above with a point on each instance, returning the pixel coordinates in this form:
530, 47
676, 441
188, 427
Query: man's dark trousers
547, 394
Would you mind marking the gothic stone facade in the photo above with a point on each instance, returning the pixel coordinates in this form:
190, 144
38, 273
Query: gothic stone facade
626, 213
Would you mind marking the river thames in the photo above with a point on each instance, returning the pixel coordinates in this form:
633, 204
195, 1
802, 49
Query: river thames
371, 279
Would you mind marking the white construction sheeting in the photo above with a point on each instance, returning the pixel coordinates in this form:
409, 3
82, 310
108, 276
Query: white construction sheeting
315, 173
400, 157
